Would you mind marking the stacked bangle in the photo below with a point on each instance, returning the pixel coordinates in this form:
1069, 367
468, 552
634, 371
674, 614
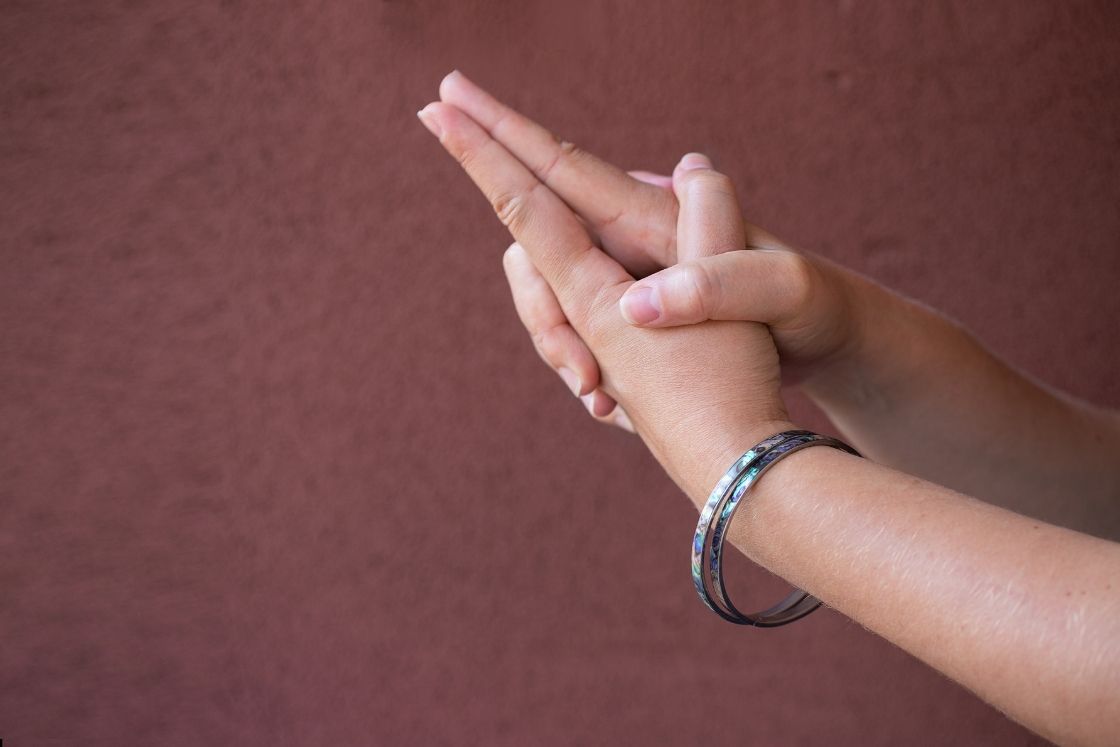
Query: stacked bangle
715, 517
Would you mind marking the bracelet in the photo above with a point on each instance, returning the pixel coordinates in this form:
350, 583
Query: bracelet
700, 542
708, 541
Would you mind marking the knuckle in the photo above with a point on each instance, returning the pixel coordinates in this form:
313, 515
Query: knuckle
512, 208
700, 289
503, 121
545, 171
545, 341
611, 219
564, 150
706, 180
570, 150
465, 156
508, 207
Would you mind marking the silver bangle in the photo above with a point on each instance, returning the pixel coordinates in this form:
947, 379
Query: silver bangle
711, 530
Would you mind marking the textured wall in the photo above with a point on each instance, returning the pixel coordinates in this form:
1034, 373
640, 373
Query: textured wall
278, 464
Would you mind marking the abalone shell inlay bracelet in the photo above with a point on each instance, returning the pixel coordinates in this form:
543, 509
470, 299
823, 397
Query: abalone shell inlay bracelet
700, 544
707, 545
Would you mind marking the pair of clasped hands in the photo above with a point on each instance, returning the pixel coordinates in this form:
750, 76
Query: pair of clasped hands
650, 295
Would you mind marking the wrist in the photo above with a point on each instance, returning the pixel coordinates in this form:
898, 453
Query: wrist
723, 452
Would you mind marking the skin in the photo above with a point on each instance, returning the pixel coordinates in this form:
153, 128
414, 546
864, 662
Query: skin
927, 409
1024, 613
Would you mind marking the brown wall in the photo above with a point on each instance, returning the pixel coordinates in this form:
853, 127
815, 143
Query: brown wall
279, 466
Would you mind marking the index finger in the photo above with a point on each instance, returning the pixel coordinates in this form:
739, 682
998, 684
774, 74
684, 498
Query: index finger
559, 245
635, 219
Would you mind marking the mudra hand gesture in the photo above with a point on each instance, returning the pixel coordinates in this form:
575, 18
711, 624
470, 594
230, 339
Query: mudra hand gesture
670, 315
695, 394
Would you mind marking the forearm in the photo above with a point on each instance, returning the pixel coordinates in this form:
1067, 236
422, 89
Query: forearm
1025, 614
919, 393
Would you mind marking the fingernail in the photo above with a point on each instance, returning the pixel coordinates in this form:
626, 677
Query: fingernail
640, 305
623, 420
599, 405
695, 161
463, 83
430, 122
570, 378
588, 401
604, 405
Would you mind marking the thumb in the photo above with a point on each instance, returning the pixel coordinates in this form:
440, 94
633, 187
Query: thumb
758, 285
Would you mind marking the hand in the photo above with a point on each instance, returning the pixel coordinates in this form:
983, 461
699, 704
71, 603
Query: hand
708, 220
634, 221
699, 395
809, 303
812, 307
